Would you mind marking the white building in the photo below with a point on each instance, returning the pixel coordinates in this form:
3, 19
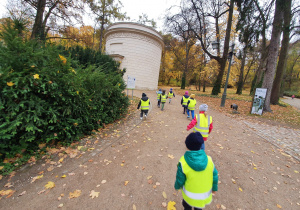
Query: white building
139, 49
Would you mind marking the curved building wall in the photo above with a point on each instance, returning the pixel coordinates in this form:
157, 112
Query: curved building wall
139, 49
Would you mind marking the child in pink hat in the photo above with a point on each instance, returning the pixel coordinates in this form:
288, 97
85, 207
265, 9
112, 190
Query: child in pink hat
184, 101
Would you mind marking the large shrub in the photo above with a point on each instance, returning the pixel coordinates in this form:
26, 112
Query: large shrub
44, 99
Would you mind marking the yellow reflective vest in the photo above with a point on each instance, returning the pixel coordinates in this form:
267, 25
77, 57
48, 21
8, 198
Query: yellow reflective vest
203, 124
197, 189
192, 104
185, 100
145, 105
158, 96
170, 95
163, 98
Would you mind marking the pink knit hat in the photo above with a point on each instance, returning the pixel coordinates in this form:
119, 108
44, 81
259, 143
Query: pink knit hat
186, 92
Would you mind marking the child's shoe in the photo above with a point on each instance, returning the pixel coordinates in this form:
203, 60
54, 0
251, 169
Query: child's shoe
145, 116
141, 118
188, 116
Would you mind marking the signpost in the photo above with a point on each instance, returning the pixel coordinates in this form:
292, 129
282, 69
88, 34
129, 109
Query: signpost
259, 101
130, 84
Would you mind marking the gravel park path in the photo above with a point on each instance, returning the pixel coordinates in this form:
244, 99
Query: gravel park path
133, 166
293, 102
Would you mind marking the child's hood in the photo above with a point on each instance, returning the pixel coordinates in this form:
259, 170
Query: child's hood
197, 160
145, 98
159, 92
186, 96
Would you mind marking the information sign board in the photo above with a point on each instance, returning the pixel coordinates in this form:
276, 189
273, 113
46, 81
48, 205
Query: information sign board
259, 101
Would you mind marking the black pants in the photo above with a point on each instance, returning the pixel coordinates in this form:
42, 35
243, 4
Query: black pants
144, 111
158, 103
187, 206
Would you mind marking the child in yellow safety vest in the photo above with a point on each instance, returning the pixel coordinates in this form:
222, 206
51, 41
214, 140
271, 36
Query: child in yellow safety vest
202, 123
158, 93
191, 106
171, 94
163, 99
144, 104
184, 101
196, 175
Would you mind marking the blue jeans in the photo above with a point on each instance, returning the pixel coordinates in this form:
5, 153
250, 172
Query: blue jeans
192, 113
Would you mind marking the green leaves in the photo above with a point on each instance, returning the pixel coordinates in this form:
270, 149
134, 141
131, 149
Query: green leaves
49, 101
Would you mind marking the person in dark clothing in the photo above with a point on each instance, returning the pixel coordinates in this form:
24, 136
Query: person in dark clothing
144, 104
184, 101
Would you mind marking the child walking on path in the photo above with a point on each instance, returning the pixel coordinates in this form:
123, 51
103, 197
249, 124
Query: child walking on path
191, 106
184, 101
202, 123
158, 97
144, 104
171, 94
196, 175
163, 99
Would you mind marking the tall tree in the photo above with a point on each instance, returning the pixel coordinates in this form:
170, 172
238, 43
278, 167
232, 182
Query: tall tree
283, 52
176, 25
197, 8
273, 52
105, 11
56, 9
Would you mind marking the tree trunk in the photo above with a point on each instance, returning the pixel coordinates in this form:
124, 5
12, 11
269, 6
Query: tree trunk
222, 62
241, 77
283, 53
38, 30
187, 51
273, 53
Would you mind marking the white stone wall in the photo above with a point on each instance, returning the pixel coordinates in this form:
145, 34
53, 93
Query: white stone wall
141, 48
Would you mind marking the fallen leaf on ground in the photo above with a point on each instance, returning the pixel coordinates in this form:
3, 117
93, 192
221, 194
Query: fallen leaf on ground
134, 207
223, 207
22, 193
171, 205
61, 160
240, 189
60, 205
64, 176
164, 194
157, 183
278, 206
149, 177
164, 204
94, 194
71, 174
171, 156
50, 185
75, 194
103, 181
36, 178
50, 168
7, 192
1, 177
1, 167
126, 182
8, 185
85, 173
40, 192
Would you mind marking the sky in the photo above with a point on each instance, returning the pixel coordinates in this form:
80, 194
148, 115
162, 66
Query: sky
155, 9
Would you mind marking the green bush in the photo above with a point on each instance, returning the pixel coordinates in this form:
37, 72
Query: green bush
44, 99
